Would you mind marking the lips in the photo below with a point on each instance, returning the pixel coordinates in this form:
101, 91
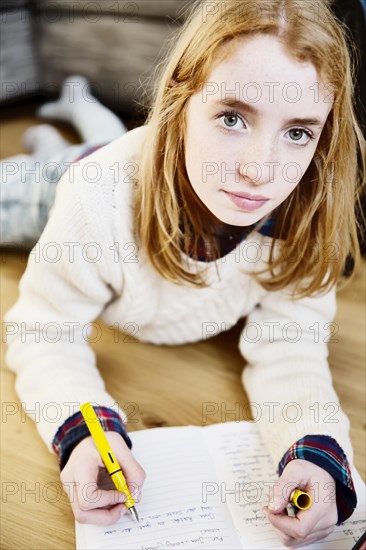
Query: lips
247, 202
248, 196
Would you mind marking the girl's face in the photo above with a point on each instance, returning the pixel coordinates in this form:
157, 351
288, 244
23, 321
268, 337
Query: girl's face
253, 130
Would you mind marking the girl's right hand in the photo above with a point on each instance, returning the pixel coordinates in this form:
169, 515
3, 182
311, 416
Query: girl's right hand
92, 494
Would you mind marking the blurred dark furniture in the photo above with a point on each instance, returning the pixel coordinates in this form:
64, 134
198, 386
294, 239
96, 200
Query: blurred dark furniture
116, 44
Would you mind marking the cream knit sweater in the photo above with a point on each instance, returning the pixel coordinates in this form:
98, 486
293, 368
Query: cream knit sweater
87, 265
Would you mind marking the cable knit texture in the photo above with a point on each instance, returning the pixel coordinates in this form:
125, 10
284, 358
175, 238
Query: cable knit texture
87, 264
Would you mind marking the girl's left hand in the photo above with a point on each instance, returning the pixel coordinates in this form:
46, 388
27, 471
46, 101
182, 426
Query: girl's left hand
308, 525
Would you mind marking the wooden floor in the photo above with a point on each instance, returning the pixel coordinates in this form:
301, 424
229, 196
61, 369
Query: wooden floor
158, 382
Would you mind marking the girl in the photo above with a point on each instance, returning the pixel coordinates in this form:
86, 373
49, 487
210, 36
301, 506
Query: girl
251, 144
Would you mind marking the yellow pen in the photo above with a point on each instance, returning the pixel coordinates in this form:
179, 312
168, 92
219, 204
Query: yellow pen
108, 457
300, 499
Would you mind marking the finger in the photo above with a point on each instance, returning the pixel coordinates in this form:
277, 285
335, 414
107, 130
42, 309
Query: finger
297, 526
134, 475
291, 542
132, 471
89, 495
282, 492
99, 516
135, 488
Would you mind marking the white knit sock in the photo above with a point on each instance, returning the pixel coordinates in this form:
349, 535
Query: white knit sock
95, 123
43, 141
73, 89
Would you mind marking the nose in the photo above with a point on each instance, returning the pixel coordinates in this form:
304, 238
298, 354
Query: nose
258, 163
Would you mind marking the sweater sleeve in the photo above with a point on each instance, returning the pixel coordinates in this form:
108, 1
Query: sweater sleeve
67, 283
287, 378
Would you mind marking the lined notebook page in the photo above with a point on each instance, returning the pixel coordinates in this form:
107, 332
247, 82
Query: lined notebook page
205, 488
244, 468
172, 511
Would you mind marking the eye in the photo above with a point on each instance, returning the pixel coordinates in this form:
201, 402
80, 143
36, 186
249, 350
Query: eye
297, 135
231, 119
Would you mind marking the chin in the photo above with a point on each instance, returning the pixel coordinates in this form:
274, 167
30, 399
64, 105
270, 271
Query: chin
240, 219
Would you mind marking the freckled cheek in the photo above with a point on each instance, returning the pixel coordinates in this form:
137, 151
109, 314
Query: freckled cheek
193, 167
291, 172
283, 188
201, 163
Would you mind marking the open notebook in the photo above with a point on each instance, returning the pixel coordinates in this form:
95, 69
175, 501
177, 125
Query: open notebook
204, 489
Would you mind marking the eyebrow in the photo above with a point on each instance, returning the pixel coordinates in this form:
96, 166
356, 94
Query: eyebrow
243, 106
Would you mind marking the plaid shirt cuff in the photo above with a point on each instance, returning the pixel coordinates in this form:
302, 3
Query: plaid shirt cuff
74, 430
325, 452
